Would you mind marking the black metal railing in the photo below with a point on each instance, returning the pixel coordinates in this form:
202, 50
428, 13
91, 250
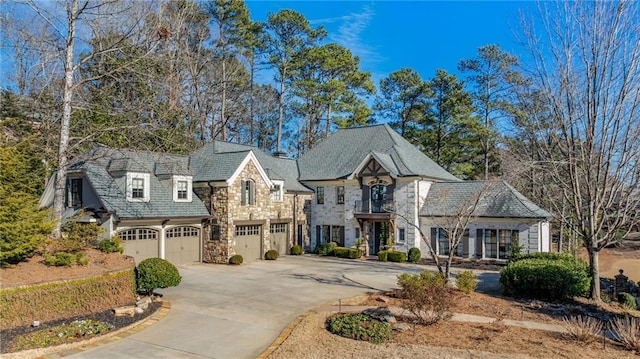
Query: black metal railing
385, 206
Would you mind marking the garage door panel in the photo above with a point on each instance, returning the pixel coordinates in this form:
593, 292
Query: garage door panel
279, 237
182, 245
140, 243
248, 242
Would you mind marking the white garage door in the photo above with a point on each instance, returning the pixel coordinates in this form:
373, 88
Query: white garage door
248, 242
182, 245
140, 243
278, 233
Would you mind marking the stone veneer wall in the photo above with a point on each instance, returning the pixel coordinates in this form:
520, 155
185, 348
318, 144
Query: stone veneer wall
229, 210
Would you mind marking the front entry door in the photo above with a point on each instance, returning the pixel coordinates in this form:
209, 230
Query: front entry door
378, 236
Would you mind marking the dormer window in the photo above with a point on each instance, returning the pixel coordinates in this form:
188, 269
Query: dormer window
277, 194
138, 187
182, 188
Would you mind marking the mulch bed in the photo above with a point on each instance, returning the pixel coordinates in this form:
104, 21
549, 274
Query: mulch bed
8, 335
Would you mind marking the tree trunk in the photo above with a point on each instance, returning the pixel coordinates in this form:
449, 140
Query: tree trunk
280, 115
595, 273
61, 172
326, 135
223, 115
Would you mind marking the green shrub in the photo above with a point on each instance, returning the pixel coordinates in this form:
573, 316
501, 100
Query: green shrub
271, 255
81, 260
236, 259
544, 255
467, 281
326, 249
112, 245
627, 301
549, 279
397, 257
296, 250
352, 253
383, 256
414, 255
154, 273
59, 259
359, 326
426, 296
77, 236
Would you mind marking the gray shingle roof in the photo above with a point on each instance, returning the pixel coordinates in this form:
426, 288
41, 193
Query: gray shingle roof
339, 155
494, 199
111, 187
219, 160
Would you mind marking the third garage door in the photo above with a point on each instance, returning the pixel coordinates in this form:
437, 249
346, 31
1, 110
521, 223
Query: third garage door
248, 242
278, 234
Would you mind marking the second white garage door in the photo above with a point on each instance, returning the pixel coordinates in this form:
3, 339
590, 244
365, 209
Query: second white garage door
140, 243
182, 245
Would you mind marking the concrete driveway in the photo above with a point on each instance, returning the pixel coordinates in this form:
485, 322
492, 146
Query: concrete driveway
221, 311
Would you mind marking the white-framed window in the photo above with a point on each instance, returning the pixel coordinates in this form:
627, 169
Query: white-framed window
443, 242
176, 232
401, 236
248, 192
138, 187
278, 228
278, 191
182, 189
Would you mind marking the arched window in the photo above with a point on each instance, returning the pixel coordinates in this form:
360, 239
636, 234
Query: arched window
248, 192
135, 234
378, 198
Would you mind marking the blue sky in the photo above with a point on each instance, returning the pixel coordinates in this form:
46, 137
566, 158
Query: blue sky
423, 35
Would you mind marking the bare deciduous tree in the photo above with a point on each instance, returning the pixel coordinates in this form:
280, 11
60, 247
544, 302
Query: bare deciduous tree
586, 67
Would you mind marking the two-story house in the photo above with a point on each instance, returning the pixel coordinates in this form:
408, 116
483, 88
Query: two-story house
226, 199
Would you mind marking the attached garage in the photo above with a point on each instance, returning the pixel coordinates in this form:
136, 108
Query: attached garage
249, 242
182, 245
140, 243
279, 235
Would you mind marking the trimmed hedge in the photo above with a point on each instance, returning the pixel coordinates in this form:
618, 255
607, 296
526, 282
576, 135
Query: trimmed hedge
271, 255
542, 278
383, 256
414, 255
543, 255
296, 250
397, 257
67, 299
153, 273
359, 326
236, 259
351, 253
325, 249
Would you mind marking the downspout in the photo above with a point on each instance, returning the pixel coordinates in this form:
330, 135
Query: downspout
295, 220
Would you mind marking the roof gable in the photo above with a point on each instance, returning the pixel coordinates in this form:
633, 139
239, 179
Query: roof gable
343, 153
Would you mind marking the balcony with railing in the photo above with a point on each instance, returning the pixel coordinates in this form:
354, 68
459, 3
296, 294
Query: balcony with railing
384, 208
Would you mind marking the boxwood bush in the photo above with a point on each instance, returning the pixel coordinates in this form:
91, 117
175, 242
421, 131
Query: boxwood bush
325, 249
236, 259
383, 256
296, 250
112, 245
544, 278
397, 257
359, 326
271, 255
627, 300
343, 252
154, 273
414, 255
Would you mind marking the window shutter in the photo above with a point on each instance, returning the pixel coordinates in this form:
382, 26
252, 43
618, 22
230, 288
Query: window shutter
479, 243
318, 239
434, 240
244, 192
342, 236
465, 244
252, 192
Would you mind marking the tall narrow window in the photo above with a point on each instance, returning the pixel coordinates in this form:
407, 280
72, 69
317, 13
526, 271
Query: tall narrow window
340, 194
248, 192
320, 195
443, 242
75, 192
491, 243
401, 235
137, 188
